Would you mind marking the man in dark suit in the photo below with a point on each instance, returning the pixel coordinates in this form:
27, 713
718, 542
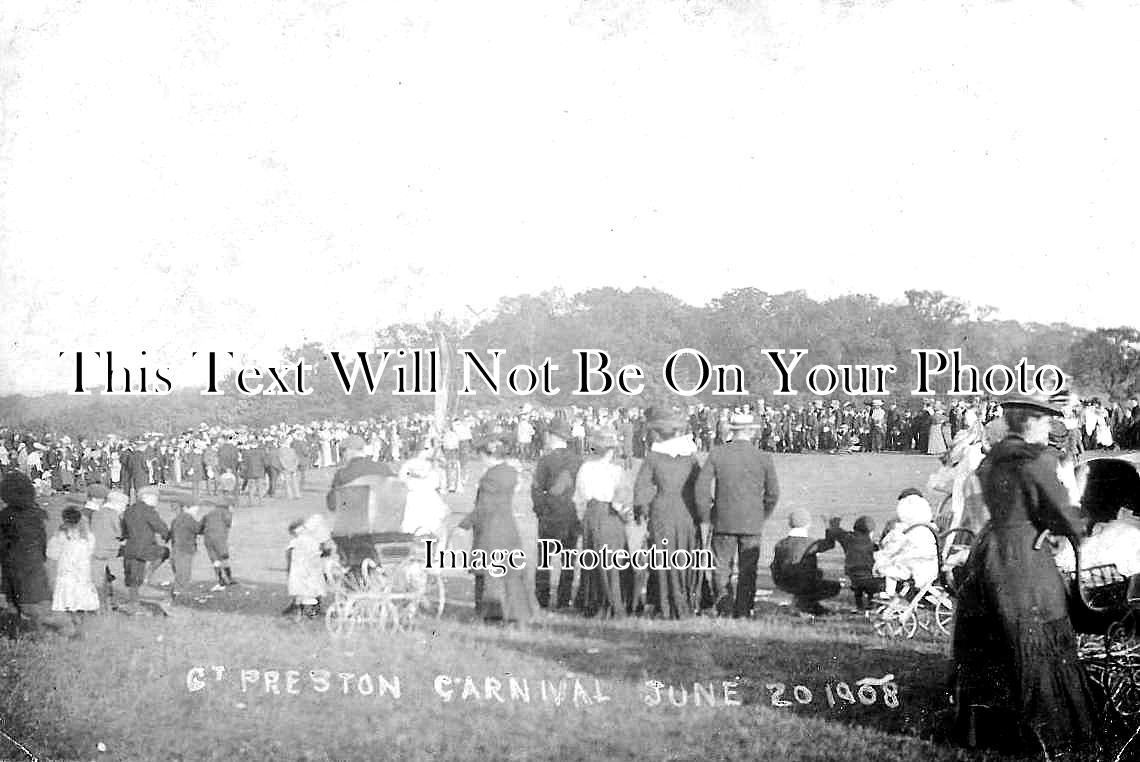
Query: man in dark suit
552, 492
133, 463
746, 494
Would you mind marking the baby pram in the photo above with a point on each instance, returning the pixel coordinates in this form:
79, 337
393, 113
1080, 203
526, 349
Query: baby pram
1107, 637
381, 576
930, 607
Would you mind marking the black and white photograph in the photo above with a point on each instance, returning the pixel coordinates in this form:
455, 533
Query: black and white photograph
569, 380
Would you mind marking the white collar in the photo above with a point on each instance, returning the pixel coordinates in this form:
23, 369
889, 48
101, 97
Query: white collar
798, 532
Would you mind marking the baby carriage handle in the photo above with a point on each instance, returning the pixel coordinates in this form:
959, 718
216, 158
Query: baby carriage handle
1087, 604
942, 540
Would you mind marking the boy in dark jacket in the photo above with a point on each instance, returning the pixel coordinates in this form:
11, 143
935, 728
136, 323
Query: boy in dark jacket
184, 531
216, 537
859, 557
795, 570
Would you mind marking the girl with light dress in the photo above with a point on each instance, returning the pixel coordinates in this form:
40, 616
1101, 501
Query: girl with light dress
72, 548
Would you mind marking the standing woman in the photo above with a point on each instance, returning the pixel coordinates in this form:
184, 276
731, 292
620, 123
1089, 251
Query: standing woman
23, 550
666, 484
501, 598
604, 512
938, 441
1014, 649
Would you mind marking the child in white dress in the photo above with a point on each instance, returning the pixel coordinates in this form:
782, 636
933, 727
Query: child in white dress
305, 556
908, 556
72, 548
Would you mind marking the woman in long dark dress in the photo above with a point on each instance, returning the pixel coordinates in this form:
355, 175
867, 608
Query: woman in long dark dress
492, 523
23, 550
1015, 652
598, 493
666, 484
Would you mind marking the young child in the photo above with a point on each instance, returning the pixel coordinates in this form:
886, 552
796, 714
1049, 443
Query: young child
184, 531
71, 548
216, 537
227, 483
859, 557
796, 571
908, 556
305, 559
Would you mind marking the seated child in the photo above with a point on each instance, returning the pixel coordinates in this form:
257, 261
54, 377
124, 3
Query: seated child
859, 557
797, 572
1110, 503
227, 483
908, 556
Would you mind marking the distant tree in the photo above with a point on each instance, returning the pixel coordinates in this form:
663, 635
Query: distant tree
1107, 359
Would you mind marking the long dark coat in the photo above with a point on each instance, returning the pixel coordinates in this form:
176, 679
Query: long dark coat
666, 484
23, 552
1014, 647
746, 488
493, 527
552, 493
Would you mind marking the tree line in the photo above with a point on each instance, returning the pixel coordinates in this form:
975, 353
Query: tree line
643, 327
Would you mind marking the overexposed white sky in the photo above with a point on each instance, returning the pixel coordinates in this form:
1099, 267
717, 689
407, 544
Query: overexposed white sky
181, 176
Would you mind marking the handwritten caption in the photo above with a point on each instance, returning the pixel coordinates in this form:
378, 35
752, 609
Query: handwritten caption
569, 690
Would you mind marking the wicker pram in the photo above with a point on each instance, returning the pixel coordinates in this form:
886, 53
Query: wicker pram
1107, 641
381, 579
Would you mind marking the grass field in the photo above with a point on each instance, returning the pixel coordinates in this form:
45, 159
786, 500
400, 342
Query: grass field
229, 678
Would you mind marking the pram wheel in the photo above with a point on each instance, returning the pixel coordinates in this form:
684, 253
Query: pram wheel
338, 619
944, 615
893, 621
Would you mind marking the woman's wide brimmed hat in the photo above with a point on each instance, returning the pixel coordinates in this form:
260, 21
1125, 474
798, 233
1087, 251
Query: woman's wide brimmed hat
1041, 403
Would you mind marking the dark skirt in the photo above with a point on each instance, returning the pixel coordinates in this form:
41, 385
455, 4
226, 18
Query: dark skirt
503, 599
1015, 651
603, 591
675, 593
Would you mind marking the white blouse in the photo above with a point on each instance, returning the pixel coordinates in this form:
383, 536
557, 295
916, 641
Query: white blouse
597, 480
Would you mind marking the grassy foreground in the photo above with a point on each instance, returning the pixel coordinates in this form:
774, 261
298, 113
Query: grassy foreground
228, 678
132, 685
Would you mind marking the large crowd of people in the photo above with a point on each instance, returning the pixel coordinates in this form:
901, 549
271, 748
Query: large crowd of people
620, 479
261, 462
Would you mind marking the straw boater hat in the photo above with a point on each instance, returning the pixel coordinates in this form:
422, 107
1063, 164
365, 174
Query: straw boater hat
1041, 403
742, 421
876, 403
